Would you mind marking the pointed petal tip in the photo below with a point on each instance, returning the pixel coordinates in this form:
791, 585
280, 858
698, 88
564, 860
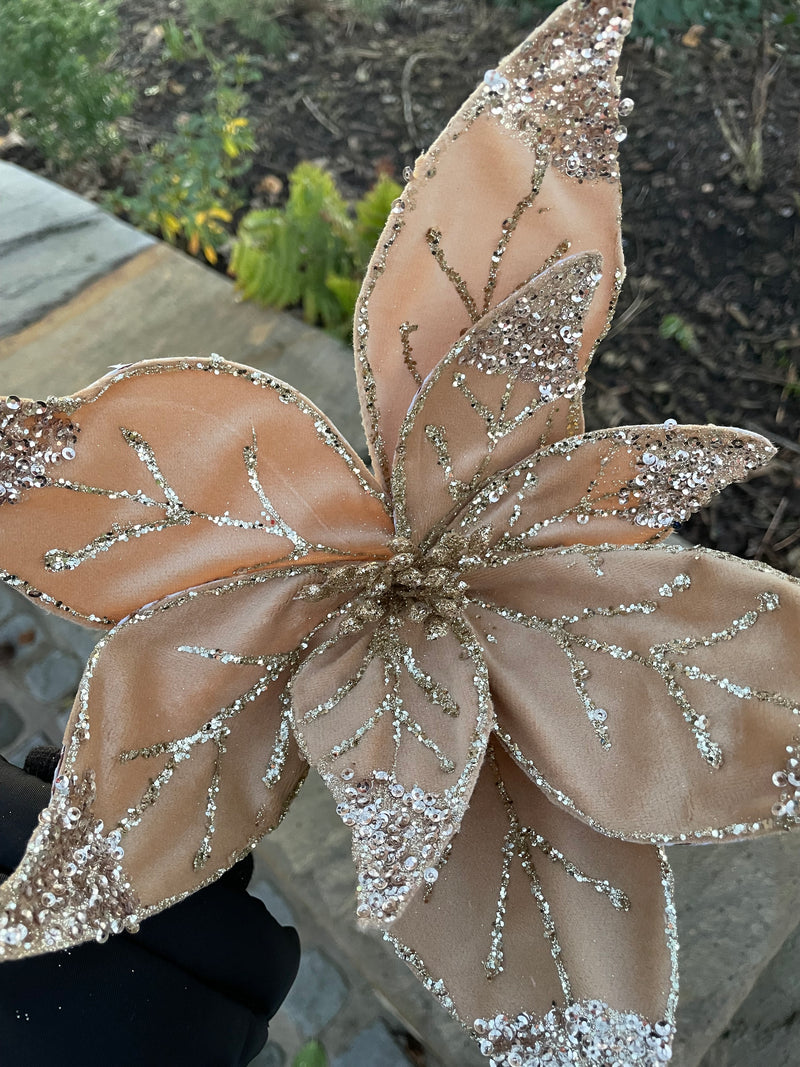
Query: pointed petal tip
398, 836
536, 333
544, 82
71, 886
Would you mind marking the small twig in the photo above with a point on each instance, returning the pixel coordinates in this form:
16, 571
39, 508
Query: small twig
329, 125
781, 545
636, 307
789, 387
746, 141
776, 518
405, 92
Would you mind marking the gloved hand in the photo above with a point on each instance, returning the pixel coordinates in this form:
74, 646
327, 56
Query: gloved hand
196, 986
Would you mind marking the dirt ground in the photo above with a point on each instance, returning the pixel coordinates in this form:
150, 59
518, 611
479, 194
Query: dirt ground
365, 98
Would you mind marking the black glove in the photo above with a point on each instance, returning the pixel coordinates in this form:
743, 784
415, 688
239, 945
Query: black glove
196, 986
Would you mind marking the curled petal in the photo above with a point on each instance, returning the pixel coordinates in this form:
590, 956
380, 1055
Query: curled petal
169, 474
571, 947
664, 692
503, 390
179, 757
397, 726
525, 172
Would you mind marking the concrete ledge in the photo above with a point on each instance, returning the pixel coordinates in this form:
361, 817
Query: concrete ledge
737, 903
766, 1029
161, 303
52, 243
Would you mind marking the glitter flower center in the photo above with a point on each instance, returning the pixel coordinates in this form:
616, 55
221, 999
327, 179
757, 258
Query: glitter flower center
426, 586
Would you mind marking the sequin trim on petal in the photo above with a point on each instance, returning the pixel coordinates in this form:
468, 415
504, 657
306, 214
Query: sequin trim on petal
585, 1033
540, 92
397, 834
71, 882
34, 437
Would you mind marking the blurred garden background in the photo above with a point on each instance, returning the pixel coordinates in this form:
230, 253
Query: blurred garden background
269, 137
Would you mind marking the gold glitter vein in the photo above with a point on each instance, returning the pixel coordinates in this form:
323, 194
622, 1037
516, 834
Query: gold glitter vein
406, 329
508, 228
434, 239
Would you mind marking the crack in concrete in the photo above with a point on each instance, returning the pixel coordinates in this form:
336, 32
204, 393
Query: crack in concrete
26, 240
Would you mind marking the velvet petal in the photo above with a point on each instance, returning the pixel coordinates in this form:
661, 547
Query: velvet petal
397, 726
172, 473
179, 756
570, 945
523, 173
651, 690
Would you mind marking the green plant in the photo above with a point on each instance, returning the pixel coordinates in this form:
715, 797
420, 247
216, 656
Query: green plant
185, 184
311, 1055
656, 18
676, 328
181, 45
256, 20
311, 253
54, 78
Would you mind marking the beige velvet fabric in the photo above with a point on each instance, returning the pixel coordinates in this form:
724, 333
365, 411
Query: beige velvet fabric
172, 711
480, 177
198, 421
720, 644
601, 945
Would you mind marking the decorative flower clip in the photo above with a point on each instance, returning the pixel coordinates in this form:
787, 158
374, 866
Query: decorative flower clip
515, 692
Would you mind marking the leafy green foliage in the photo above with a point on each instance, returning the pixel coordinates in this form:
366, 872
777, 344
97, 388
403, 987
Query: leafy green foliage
311, 1055
185, 187
265, 21
312, 252
676, 328
372, 210
259, 21
182, 45
283, 256
54, 80
656, 18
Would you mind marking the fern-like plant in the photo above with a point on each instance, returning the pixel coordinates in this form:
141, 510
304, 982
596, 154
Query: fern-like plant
311, 252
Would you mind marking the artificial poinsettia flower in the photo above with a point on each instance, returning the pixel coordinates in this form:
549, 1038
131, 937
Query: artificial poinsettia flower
515, 692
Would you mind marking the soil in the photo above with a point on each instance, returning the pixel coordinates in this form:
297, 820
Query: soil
364, 98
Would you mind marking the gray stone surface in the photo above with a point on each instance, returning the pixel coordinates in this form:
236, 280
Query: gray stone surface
55, 677
766, 1029
317, 994
52, 243
736, 905
374, 1047
21, 636
275, 902
270, 1056
11, 724
42, 658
